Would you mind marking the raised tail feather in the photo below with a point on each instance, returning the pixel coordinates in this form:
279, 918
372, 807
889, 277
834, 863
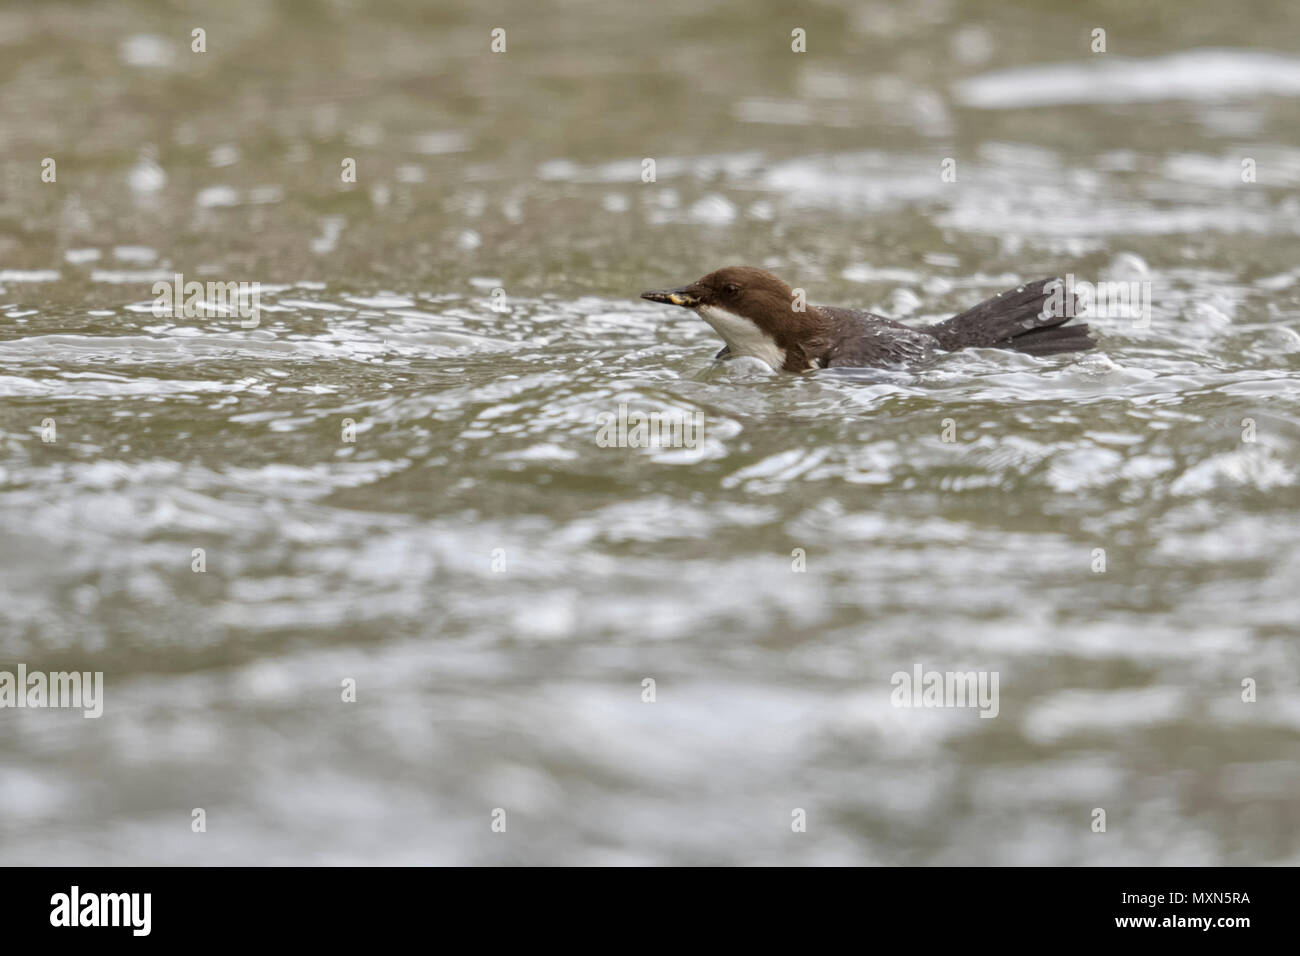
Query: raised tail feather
1031, 318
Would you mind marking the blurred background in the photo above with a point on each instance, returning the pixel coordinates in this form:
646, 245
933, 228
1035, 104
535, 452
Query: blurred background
515, 681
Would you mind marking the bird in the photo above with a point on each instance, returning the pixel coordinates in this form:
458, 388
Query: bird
758, 315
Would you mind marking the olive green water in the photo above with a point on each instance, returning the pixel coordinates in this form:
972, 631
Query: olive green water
497, 584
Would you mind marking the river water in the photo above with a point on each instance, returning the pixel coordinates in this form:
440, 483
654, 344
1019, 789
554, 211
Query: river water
394, 482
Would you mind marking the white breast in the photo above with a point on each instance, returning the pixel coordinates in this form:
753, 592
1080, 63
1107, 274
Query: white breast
742, 336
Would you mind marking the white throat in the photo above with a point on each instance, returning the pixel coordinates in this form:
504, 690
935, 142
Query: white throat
743, 336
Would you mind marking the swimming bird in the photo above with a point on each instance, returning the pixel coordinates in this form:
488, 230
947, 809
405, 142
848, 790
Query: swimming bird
759, 316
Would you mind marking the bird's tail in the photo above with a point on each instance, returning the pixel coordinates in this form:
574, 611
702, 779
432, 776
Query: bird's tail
1031, 318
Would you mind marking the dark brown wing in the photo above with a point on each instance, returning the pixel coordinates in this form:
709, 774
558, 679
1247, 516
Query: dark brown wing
865, 340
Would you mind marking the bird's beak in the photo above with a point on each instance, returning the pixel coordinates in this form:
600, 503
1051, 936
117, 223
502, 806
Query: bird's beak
683, 297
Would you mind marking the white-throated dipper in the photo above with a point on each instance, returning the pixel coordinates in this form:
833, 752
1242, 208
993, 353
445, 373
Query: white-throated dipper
756, 314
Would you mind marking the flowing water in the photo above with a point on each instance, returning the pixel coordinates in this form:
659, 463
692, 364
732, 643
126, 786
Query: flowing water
395, 482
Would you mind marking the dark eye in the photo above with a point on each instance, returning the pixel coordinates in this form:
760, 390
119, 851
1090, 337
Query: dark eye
731, 288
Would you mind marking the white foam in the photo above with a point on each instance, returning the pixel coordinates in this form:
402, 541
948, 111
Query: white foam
1201, 75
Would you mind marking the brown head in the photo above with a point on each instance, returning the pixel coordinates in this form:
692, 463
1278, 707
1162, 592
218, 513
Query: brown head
755, 313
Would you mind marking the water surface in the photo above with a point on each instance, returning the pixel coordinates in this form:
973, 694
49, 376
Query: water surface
499, 585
